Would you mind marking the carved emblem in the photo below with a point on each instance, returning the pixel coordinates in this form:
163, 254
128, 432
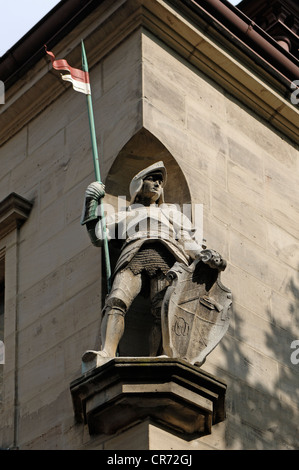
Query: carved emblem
195, 311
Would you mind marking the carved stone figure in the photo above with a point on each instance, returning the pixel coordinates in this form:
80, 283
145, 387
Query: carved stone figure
157, 238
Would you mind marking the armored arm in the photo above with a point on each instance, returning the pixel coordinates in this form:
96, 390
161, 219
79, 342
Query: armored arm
192, 247
186, 234
90, 217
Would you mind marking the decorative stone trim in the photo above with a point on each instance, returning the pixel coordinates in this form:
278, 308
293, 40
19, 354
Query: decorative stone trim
14, 211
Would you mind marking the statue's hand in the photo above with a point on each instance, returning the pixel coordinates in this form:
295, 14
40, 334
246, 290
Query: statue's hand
95, 191
213, 259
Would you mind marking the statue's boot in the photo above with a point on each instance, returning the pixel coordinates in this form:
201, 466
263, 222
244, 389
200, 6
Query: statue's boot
112, 330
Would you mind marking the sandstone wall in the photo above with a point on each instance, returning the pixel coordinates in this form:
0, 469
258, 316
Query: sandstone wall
246, 176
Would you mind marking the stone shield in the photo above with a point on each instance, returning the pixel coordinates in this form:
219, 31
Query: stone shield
195, 312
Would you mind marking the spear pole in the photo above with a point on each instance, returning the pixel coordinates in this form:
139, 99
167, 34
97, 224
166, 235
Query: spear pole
97, 170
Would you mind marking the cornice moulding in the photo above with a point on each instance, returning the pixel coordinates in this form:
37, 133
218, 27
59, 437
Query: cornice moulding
200, 44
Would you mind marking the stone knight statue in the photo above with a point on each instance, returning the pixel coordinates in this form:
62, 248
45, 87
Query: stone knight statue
156, 237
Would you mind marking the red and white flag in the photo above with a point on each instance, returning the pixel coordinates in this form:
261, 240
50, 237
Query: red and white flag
78, 78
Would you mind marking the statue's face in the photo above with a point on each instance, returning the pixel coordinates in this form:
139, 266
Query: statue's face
152, 187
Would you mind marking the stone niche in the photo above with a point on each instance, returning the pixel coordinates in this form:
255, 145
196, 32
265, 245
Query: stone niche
177, 396
142, 150
113, 395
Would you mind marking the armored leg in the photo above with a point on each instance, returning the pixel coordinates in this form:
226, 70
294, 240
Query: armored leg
158, 287
126, 287
112, 327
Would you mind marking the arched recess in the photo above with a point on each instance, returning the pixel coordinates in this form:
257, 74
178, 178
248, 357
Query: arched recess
142, 150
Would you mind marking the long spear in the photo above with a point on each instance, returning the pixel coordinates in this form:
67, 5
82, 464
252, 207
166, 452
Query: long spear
80, 81
97, 169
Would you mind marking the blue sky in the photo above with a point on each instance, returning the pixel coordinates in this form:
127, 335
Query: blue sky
19, 16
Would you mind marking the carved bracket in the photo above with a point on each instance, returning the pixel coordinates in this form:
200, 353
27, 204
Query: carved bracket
179, 397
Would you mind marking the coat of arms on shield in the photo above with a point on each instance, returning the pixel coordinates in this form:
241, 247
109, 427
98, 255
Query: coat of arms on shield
195, 310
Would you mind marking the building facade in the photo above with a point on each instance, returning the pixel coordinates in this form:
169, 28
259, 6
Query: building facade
203, 87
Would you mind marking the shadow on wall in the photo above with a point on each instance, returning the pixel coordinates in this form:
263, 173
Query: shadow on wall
263, 414
263, 392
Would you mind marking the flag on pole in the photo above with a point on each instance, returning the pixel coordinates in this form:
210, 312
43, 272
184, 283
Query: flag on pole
78, 78
80, 81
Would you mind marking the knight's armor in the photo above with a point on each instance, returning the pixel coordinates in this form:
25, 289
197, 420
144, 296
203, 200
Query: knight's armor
139, 225
154, 236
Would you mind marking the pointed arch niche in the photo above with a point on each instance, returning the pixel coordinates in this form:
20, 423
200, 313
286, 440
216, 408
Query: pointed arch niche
142, 150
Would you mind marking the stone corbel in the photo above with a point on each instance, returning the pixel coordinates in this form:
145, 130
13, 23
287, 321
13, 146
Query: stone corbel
172, 393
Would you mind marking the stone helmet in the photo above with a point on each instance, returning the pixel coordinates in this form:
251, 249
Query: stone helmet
137, 181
